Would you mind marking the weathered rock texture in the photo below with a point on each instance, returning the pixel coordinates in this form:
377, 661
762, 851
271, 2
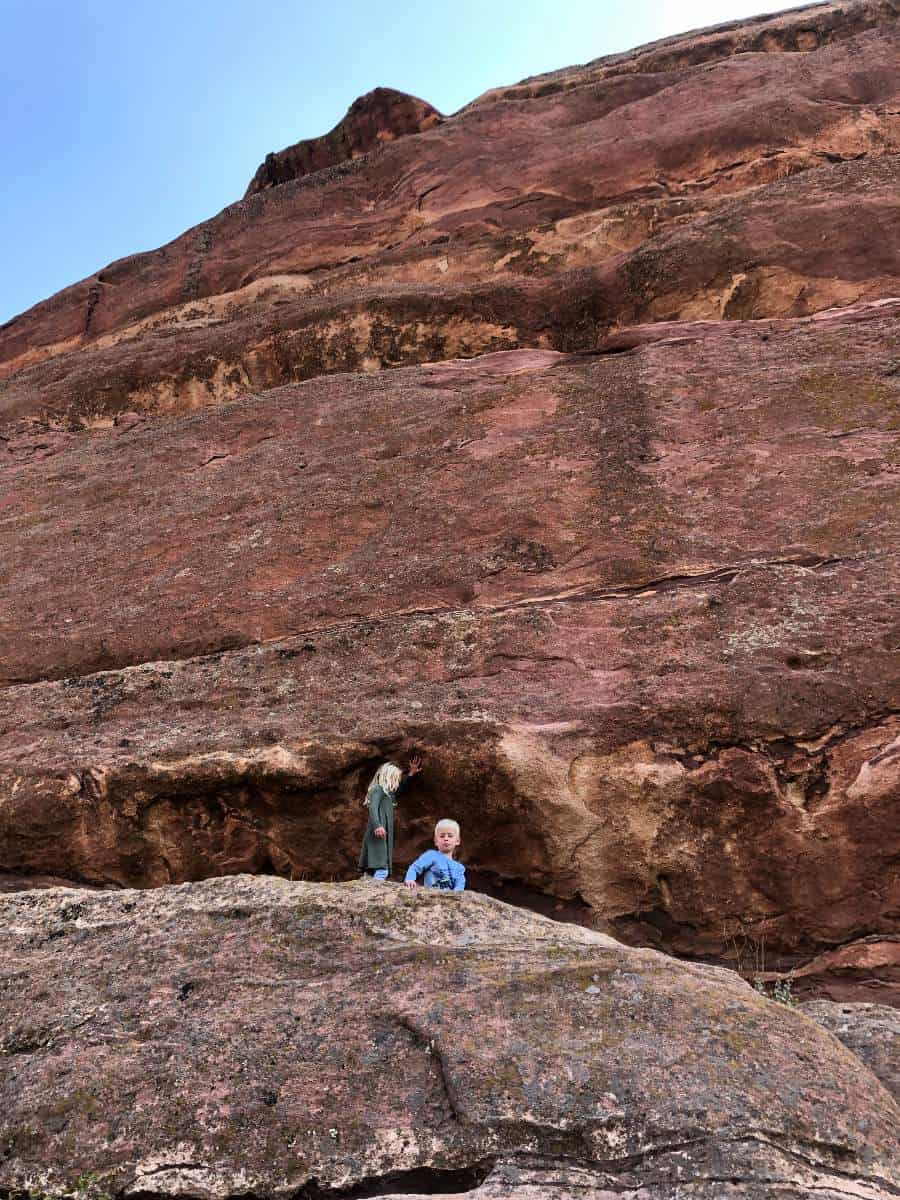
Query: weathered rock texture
262, 1038
746, 172
866, 969
871, 1031
639, 610
380, 116
628, 577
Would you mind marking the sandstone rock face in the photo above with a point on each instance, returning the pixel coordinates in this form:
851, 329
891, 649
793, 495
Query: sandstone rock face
380, 116
639, 610
263, 1038
748, 171
871, 1031
613, 542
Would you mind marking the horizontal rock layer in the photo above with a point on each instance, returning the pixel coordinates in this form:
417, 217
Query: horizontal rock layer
712, 175
639, 609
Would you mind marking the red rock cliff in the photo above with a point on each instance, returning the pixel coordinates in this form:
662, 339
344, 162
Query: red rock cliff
616, 544
381, 116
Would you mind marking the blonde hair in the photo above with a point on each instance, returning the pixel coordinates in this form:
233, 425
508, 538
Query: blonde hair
387, 777
453, 826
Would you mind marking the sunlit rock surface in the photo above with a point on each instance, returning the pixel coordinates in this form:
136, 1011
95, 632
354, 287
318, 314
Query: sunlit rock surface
381, 116
744, 172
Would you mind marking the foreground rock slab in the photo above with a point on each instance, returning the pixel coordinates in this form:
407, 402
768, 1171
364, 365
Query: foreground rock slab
257, 1037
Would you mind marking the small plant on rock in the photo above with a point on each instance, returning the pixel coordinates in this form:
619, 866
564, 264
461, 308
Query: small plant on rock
781, 991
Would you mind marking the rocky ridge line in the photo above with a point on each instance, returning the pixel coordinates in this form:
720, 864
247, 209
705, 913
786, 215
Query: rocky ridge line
381, 116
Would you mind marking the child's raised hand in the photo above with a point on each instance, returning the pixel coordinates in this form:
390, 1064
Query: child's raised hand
381, 832
411, 884
415, 765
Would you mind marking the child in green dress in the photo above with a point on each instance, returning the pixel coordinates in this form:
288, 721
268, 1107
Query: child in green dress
377, 853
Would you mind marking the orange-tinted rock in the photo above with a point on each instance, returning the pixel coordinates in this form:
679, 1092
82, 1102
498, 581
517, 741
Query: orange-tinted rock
259, 1038
642, 171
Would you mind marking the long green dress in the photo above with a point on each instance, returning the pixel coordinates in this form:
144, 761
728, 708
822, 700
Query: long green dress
377, 854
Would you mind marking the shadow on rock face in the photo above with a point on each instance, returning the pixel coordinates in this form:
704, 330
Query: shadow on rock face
703, 856
273, 811
646, 844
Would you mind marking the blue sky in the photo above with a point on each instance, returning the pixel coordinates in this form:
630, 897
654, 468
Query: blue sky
127, 122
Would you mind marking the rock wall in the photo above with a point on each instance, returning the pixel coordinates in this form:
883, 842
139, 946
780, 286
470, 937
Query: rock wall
636, 609
565, 449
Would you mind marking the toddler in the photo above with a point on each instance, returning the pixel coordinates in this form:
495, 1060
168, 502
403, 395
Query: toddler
438, 867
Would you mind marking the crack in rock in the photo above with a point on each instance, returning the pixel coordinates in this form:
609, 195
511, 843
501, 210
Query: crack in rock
581, 594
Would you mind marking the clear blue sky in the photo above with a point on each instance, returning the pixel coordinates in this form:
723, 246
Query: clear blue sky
127, 121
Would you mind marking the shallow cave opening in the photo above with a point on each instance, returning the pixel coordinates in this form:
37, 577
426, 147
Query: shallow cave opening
423, 1181
301, 817
303, 821
517, 892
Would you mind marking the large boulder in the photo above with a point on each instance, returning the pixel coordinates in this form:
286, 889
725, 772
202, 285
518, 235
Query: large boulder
262, 1038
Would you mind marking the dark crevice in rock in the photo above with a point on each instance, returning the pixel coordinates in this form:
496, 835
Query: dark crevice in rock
427, 192
191, 287
521, 894
614, 345
25, 880
95, 292
426, 1181
433, 1050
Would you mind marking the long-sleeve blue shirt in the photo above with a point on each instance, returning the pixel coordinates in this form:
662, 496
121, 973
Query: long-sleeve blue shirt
439, 871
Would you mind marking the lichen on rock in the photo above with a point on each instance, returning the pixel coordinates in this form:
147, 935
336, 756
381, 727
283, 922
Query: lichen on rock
258, 1036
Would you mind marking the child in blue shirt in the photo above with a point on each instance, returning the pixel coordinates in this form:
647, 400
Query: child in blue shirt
438, 867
